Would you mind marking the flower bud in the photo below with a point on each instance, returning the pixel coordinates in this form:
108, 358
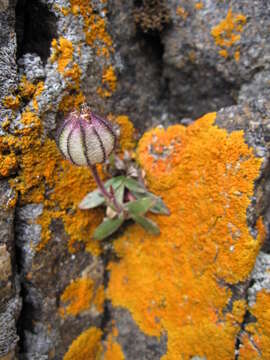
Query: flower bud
86, 139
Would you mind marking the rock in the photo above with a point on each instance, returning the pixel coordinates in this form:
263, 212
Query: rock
196, 274
9, 291
199, 289
211, 50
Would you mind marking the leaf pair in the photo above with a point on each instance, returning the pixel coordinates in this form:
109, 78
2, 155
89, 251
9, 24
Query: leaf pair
110, 226
95, 198
135, 206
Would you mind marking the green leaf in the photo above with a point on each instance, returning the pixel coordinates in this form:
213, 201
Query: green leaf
119, 193
92, 200
134, 185
140, 206
159, 207
107, 227
147, 224
115, 182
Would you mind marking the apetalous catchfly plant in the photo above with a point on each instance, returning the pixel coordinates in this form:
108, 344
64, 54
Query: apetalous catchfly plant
86, 139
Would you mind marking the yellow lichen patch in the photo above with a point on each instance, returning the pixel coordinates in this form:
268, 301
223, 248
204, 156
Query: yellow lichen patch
63, 53
38, 91
86, 346
256, 340
182, 12
26, 88
8, 163
80, 296
174, 283
109, 82
75, 74
228, 32
127, 133
45, 177
113, 349
11, 102
224, 53
94, 25
237, 55
199, 5
98, 38
70, 102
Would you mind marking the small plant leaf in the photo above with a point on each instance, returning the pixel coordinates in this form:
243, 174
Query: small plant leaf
92, 200
119, 193
140, 206
159, 207
107, 228
147, 224
115, 182
134, 186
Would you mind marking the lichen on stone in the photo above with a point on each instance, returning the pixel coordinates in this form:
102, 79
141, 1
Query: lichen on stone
86, 346
228, 33
255, 342
80, 296
174, 283
113, 349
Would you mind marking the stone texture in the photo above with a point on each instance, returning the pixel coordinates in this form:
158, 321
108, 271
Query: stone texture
133, 342
9, 301
159, 62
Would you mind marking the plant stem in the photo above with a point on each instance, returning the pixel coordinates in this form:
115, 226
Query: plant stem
110, 197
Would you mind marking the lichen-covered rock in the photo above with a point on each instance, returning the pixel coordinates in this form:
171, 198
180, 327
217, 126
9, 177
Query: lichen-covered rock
211, 49
190, 283
9, 287
193, 291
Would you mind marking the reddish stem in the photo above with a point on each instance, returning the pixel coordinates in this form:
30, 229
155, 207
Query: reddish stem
110, 197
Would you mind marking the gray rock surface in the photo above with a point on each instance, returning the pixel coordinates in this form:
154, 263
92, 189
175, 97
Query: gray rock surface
9, 285
133, 342
169, 69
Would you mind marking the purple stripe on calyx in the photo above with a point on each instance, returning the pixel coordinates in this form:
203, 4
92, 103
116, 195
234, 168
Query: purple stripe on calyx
84, 142
100, 121
68, 146
100, 143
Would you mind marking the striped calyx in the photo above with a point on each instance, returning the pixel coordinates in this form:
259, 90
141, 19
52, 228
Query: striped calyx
86, 139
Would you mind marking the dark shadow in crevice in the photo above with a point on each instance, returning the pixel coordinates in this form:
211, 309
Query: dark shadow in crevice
35, 28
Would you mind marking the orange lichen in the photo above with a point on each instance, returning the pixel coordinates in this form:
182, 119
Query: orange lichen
94, 25
237, 55
45, 177
109, 82
173, 282
127, 133
224, 53
63, 53
113, 349
38, 91
256, 340
86, 346
11, 102
26, 88
97, 37
80, 296
182, 12
199, 5
228, 32
8, 163
75, 74
70, 102
99, 299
